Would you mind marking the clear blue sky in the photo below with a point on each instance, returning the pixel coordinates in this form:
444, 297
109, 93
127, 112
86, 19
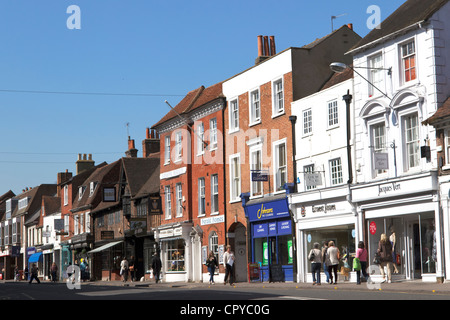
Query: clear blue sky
160, 48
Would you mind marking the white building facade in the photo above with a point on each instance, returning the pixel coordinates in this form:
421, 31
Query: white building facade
321, 206
397, 185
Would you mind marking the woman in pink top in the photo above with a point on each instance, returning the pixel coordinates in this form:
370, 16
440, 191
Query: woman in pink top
361, 254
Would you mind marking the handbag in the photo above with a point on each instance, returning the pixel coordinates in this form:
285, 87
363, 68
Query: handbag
376, 259
356, 264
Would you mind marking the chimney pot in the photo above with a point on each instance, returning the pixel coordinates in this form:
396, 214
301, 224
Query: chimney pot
350, 26
266, 46
272, 46
147, 133
84, 156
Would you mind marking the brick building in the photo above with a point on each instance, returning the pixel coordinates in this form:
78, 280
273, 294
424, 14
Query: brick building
192, 180
259, 143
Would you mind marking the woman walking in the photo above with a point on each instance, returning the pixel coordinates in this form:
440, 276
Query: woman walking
333, 256
315, 256
361, 254
385, 252
211, 263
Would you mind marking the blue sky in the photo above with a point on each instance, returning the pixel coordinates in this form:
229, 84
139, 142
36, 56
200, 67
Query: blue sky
159, 48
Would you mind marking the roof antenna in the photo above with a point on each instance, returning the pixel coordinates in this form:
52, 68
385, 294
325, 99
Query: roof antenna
334, 17
128, 129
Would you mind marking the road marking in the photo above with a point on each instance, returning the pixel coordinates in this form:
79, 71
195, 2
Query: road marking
28, 296
109, 292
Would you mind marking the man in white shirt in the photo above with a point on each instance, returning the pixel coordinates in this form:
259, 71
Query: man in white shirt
228, 261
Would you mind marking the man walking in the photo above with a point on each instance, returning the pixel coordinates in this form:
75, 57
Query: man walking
228, 261
34, 273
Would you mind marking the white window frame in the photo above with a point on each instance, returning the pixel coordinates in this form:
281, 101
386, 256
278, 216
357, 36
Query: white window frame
168, 203
166, 149
66, 223
376, 75
66, 195
214, 193
75, 224
276, 165
307, 122
234, 116
178, 146
336, 173
200, 138
253, 166
213, 134
278, 98
179, 200
255, 107
407, 56
235, 181
87, 221
201, 197
407, 143
333, 114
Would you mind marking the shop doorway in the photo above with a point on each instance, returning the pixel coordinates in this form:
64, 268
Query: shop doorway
413, 239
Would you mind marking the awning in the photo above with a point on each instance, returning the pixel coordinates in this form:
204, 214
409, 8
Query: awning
106, 246
35, 257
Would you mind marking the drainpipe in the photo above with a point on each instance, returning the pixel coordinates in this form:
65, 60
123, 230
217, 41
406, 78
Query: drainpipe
293, 119
348, 99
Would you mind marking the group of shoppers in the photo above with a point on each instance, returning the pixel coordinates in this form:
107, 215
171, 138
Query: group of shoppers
329, 256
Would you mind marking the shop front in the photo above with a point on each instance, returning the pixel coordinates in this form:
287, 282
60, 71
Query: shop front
271, 239
407, 211
175, 251
322, 216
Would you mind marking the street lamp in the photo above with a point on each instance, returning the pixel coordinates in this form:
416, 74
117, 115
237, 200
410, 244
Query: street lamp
340, 67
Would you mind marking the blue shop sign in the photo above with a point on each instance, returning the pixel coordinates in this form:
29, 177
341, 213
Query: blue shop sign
271, 229
268, 210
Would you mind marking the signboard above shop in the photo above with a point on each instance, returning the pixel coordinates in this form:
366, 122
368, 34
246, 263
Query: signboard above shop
274, 209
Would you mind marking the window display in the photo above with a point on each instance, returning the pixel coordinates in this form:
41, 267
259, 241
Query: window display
175, 255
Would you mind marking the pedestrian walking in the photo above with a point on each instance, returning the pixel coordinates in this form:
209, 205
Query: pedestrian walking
361, 254
54, 272
385, 252
156, 266
132, 267
315, 256
324, 258
211, 263
34, 273
228, 262
124, 269
25, 272
333, 256
16, 274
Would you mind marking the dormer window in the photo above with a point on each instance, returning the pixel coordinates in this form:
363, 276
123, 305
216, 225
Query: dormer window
92, 187
81, 192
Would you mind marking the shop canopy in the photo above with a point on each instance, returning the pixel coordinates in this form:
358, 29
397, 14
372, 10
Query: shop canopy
35, 257
106, 246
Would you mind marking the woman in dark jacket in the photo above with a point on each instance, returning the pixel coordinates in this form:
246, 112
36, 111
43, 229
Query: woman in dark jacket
211, 263
385, 252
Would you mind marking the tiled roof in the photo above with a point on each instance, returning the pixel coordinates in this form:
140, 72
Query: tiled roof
193, 100
338, 78
408, 14
442, 113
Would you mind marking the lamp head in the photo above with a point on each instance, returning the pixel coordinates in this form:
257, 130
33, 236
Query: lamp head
338, 67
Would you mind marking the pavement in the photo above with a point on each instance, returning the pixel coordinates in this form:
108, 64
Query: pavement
396, 286
407, 286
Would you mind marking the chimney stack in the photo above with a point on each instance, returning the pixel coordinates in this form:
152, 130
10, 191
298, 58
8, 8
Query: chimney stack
151, 143
132, 151
62, 177
84, 162
266, 48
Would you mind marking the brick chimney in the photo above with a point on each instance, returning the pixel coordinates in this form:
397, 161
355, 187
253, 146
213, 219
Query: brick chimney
84, 162
266, 48
61, 178
151, 143
132, 151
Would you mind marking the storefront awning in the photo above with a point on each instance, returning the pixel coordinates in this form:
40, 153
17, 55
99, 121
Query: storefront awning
35, 257
106, 246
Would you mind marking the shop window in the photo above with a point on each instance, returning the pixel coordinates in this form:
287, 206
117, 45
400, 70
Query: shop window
343, 237
175, 255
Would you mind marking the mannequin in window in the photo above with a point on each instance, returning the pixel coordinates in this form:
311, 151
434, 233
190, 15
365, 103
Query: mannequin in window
394, 253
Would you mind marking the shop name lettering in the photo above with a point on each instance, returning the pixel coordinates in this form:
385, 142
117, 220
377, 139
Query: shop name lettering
263, 211
384, 189
324, 208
